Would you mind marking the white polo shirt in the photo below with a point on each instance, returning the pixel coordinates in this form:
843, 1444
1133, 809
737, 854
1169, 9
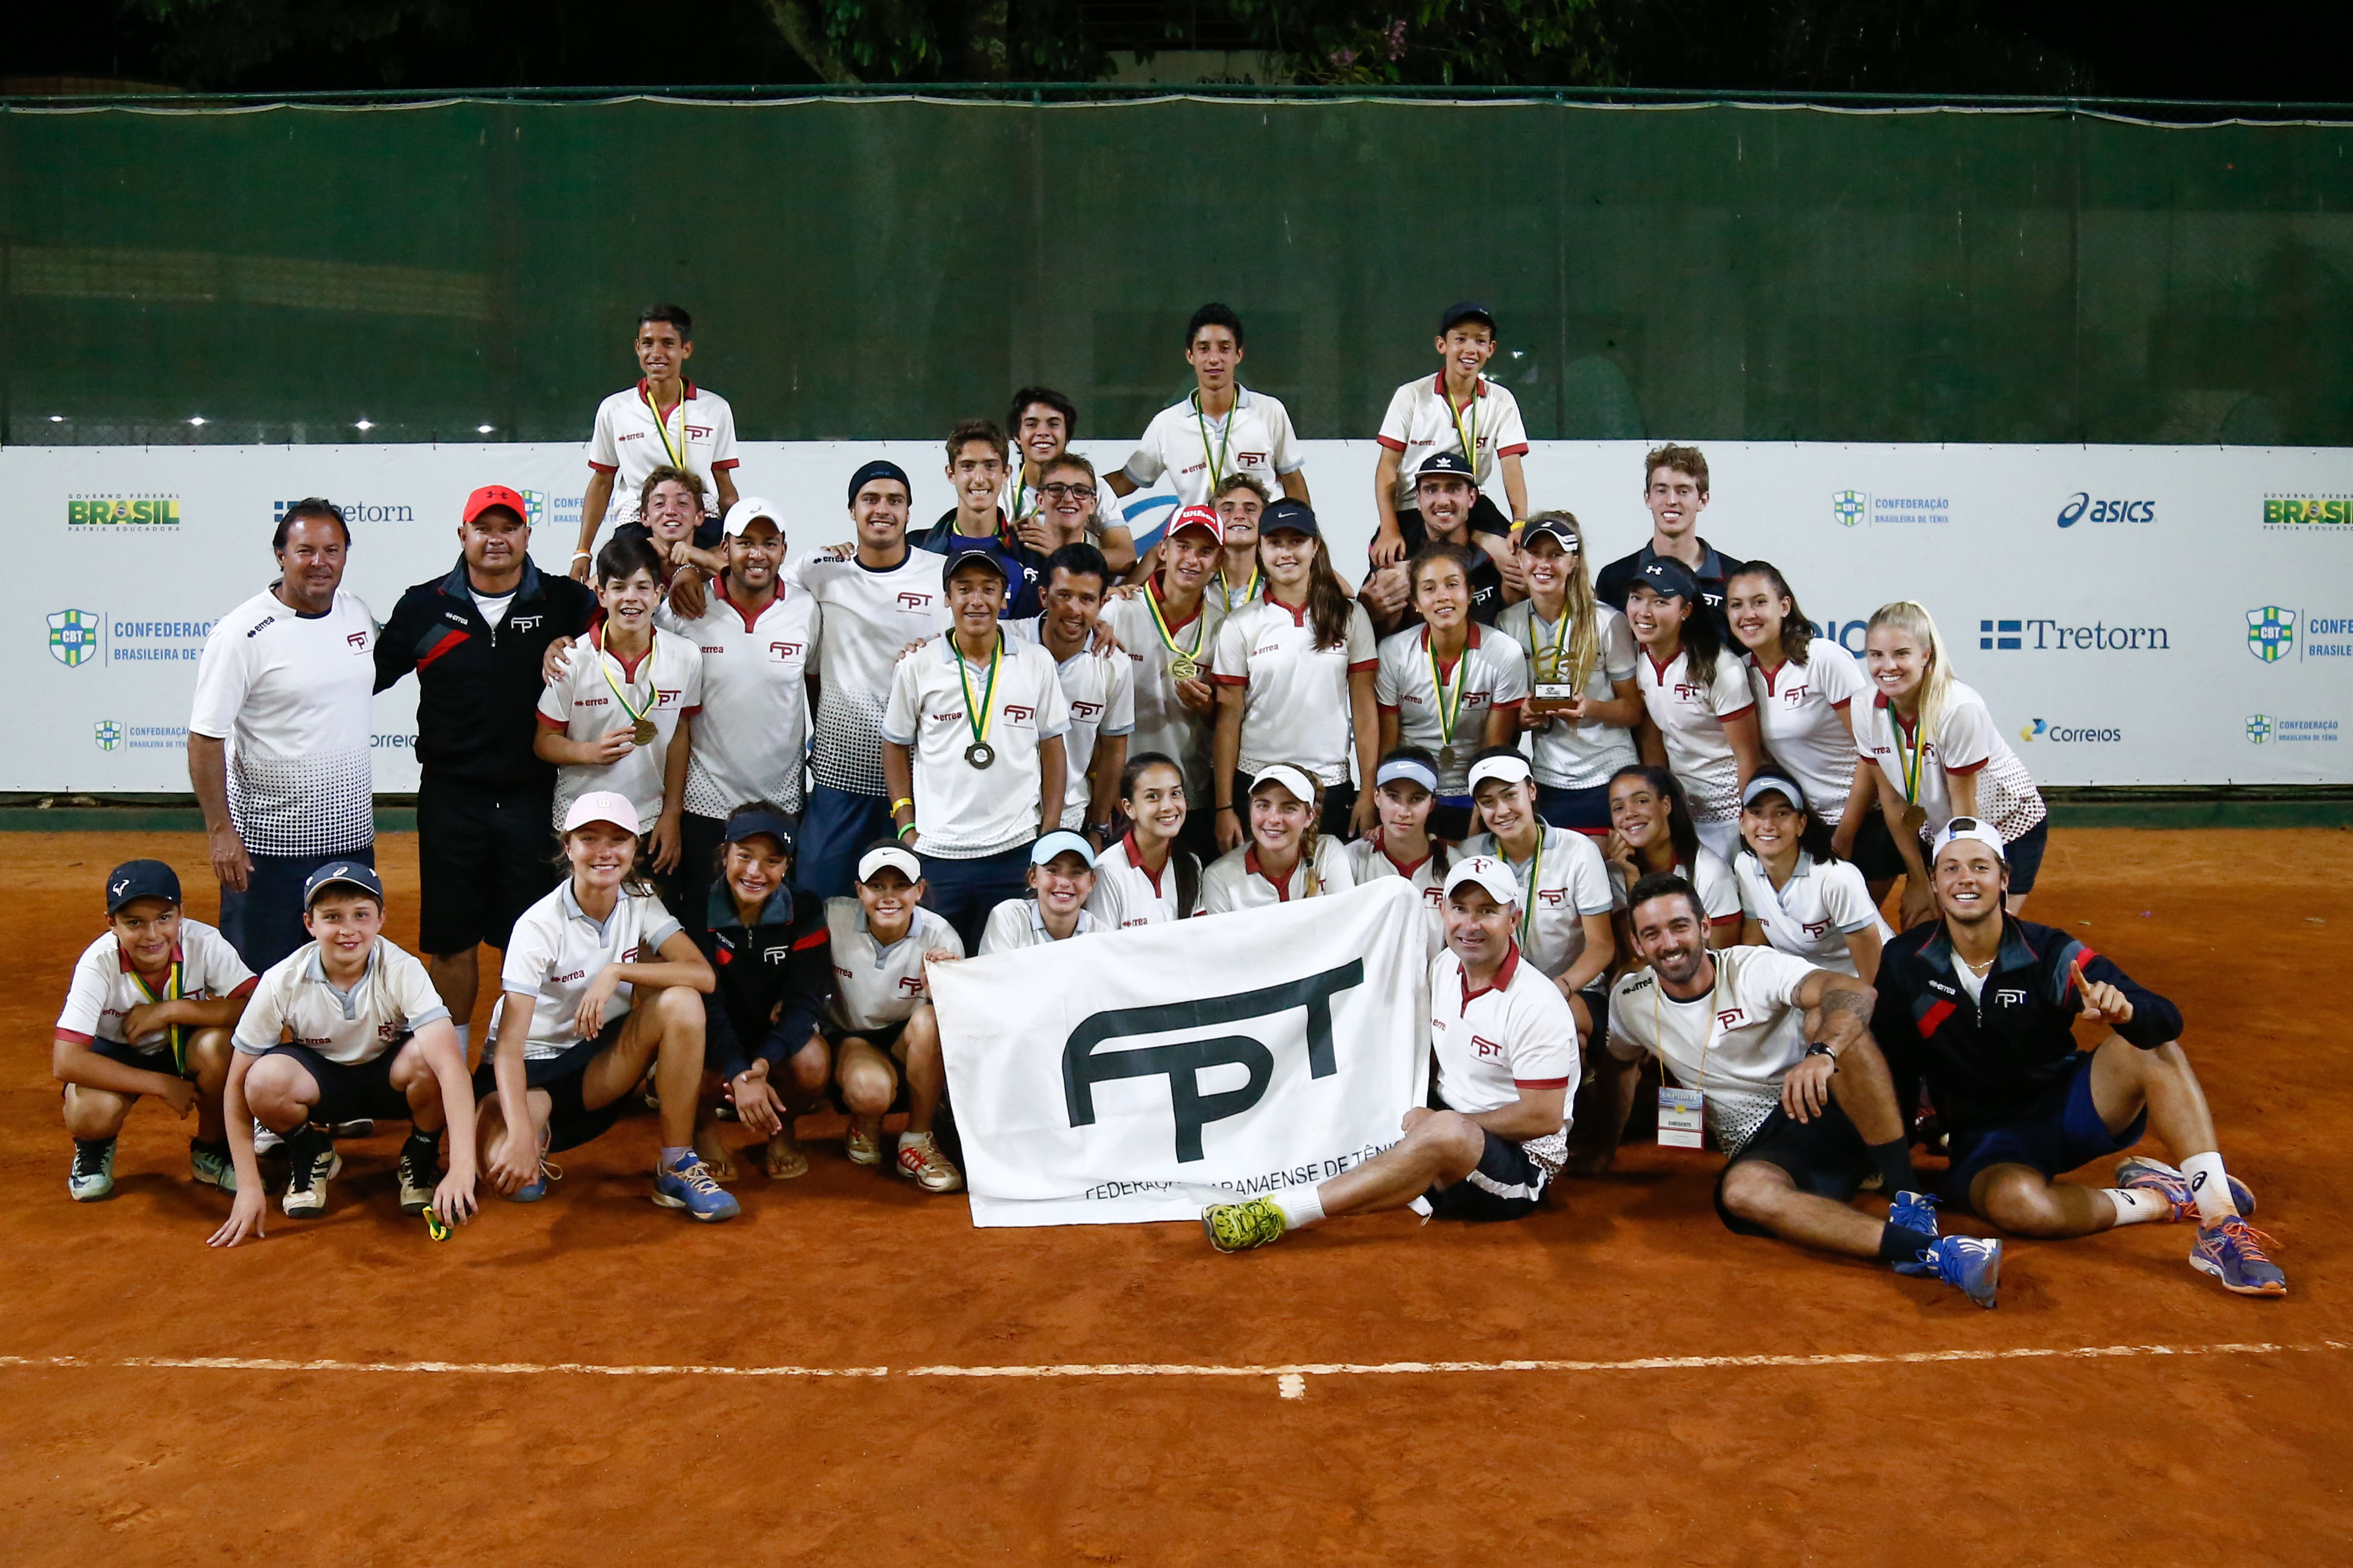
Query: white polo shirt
1162, 723
1101, 691
1813, 914
865, 617
105, 987
1734, 1043
1576, 757
876, 986
393, 998
1487, 1046
1368, 861
1233, 882
1195, 452
1690, 715
1295, 695
629, 444
581, 703
1801, 714
294, 696
749, 738
1020, 922
1496, 679
1127, 895
1422, 422
963, 812
1719, 890
1967, 741
1564, 882
557, 951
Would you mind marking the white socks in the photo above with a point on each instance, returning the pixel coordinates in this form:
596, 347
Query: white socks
908, 1140
2210, 1187
1300, 1206
2134, 1206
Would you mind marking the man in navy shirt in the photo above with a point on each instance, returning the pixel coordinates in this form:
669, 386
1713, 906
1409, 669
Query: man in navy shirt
1675, 489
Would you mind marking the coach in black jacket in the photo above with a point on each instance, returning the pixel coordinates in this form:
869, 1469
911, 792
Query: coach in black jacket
769, 946
1983, 1005
486, 843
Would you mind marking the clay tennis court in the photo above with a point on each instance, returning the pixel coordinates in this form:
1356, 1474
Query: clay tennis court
852, 1373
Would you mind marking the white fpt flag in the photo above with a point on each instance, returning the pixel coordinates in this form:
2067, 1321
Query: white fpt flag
1138, 1075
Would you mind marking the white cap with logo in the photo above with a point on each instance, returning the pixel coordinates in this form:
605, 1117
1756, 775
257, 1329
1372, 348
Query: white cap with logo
1972, 830
740, 515
602, 805
1494, 875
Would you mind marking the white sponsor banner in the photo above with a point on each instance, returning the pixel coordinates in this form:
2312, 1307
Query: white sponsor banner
1096, 1082
2133, 615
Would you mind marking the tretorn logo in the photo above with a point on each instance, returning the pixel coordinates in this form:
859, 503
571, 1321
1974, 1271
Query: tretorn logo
354, 510
141, 511
2082, 508
2270, 632
2044, 634
73, 637
1847, 508
108, 734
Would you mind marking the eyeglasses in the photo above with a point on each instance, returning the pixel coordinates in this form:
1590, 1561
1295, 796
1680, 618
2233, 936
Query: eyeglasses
1067, 492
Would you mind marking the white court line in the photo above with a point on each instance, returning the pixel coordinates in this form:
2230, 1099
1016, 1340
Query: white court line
1289, 1378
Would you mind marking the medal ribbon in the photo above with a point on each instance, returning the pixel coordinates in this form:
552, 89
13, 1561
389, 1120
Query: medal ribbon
1215, 460
980, 714
605, 663
1160, 623
1249, 589
1536, 870
1909, 759
676, 454
1447, 714
1469, 438
172, 983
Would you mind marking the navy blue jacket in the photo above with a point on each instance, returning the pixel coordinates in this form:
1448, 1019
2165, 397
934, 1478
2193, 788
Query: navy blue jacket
1988, 1064
774, 980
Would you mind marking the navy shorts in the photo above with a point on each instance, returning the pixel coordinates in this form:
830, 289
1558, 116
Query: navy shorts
570, 1121
157, 1061
884, 1037
2024, 854
1826, 1157
350, 1091
1585, 810
1504, 1184
2058, 1132
1874, 852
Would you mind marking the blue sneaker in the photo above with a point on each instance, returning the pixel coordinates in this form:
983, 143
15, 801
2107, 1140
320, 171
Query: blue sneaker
91, 1177
1915, 1211
688, 1186
531, 1192
2140, 1173
2237, 1254
1971, 1266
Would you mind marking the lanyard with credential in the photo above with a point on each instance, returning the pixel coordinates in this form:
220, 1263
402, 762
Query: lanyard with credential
1913, 761
676, 454
1683, 1112
981, 714
173, 981
641, 729
1217, 461
1531, 883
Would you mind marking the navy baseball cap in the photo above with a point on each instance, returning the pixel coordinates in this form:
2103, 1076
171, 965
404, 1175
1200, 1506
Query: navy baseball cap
1463, 311
750, 822
1553, 527
985, 555
350, 873
1287, 513
1668, 577
136, 880
880, 468
1439, 464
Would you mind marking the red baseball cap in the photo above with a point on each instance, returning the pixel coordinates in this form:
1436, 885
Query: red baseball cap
1204, 518
489, 496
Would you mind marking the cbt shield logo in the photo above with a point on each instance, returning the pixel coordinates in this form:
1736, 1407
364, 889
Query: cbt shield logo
108, 734
73, 637
2270, 632
2082, 508
2259, 729
1846, 507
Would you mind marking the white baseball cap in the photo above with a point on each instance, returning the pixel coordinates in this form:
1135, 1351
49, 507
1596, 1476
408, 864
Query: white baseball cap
602, 805
1289, 777
1511, 769
1974, 830
1490, 873
890, 856
740, 516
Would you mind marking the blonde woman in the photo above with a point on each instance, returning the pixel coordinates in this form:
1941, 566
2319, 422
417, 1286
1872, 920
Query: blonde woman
1583, 703
1940, 757
1285, 857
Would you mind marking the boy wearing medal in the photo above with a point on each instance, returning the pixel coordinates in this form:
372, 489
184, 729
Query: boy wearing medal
972, 748
1460, 412
665, 419
621, 715
149, 1011
1219, 428
1774, 1058
1168, 631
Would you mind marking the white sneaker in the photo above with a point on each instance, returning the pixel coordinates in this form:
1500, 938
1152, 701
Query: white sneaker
264, 1141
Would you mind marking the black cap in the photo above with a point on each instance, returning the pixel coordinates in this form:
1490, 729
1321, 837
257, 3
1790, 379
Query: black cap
351, 873
135, 880
1668, 577
1559, 527
983, 553
1439, 463
1288, 513
750, 822
881, 469
1463, 311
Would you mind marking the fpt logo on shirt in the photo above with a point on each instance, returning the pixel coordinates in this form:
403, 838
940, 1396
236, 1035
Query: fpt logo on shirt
913, 602
1080, 711
910, 985
667, 697
1688, 690
1814, 928
776, 955
356, 641
782, 651
524, 623
1016, 714
388, 1032
1731, 1017
698, 432
2010, 997
1794, 696
1551, 898
1251, 460
1485, 1047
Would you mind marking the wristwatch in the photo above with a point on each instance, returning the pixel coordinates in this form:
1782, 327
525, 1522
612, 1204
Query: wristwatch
1817, 1048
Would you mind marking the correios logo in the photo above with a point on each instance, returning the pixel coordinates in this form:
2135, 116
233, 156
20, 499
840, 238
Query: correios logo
2270, 632
147, 512
2068, 734
2082, 508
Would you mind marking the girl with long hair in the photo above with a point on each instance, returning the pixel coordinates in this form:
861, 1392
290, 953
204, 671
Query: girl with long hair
1795, 893
1448, 687
1287, 856
1805, 686
1144, 877
1405, 792
1651, 830
1566, 896
1583, 704
1703, 716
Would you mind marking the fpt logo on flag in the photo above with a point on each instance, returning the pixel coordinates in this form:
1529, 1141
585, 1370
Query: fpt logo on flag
73, 637
2270, 632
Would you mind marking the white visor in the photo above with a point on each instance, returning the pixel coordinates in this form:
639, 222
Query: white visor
1510, 770
1289, 777
902, 861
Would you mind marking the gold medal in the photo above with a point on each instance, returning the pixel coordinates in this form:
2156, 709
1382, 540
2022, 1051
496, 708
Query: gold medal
1183, 668
1915, 817
643, 731
1446, 759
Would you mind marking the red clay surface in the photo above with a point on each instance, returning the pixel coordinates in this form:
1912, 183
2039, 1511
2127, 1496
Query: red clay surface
2146, 1460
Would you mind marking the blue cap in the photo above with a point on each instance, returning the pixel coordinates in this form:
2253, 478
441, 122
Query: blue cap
881, 469
750, 822
135, 880
1295, 515
352, 873
1061, 841
1465, 310
1440, 464
985, 553
1668, 578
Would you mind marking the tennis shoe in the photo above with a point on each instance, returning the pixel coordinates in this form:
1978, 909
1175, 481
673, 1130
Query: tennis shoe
864, 1145
91, 1177
1971, 1265
265, 1142
419, 1169
359, 1127
2239, 1255
1237, 1227
211, 1166
1915, 1211
2139, 1174
921, 1161
688, 1186
311, 1164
